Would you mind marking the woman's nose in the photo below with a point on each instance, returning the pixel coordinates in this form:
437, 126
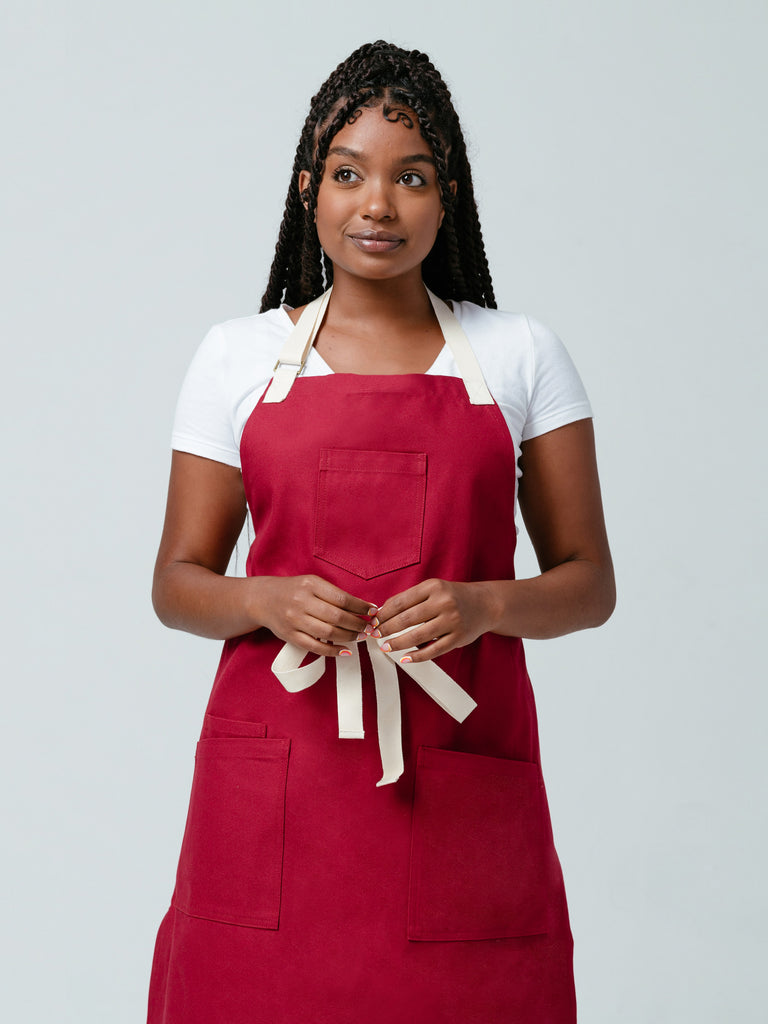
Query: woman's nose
378, 201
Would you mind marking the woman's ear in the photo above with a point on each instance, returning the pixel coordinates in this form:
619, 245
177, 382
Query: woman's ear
304, 179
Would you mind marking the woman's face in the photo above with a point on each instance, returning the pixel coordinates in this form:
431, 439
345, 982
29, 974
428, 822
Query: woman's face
379, 205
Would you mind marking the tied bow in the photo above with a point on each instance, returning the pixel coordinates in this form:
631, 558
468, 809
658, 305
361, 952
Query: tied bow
296, 677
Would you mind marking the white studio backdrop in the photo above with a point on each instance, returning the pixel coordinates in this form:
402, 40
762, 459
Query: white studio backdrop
619, 153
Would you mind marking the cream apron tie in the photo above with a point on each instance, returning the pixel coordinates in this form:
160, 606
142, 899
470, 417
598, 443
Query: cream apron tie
296, 677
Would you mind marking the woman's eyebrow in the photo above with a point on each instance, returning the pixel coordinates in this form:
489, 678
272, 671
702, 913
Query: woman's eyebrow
354, 154
416, 158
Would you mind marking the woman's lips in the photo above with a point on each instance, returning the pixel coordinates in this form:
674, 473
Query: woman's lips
375, 241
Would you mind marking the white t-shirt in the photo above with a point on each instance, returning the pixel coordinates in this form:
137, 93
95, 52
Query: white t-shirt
525, 365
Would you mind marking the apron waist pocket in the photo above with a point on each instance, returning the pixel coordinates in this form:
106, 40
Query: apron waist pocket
482, 858
231, 862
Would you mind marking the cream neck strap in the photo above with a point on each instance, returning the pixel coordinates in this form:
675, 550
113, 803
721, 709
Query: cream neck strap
296, 349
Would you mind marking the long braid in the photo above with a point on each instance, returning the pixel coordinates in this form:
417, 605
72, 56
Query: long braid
457, 266
446, 246
283, 264
471, 233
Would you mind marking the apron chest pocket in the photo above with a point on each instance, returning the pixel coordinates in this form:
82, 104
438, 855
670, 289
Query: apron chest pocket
370, 510
481, 853
231, 862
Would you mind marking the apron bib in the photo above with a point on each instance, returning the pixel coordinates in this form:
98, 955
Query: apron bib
365, 843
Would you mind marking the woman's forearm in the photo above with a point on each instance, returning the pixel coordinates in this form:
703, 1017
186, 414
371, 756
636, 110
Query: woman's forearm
574, 595
198, 600
438, 615
304, 610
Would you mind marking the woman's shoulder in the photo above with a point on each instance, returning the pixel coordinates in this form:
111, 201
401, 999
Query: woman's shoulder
244, 347
499, 338
527, 368
511, 327
229, 371
515, 337
255, 330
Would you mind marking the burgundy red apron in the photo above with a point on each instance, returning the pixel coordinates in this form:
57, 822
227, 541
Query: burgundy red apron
365, 844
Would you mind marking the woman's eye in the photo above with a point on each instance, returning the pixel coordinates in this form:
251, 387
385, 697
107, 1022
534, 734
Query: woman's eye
345, 175
412, 179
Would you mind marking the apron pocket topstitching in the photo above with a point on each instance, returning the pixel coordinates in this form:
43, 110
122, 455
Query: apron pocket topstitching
481, 853
370, 509
231, 862
213, 725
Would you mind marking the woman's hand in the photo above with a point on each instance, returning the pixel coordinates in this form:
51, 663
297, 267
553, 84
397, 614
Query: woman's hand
310, 612
446, 615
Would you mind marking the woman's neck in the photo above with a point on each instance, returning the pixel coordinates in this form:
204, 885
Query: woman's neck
361, 300
379, 327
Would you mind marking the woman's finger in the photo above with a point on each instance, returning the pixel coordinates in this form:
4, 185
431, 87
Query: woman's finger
405, 610
401, 602
339, 598
310, 597
321, 647
414, 617
335, 618
423, 633
329, 633
431, 650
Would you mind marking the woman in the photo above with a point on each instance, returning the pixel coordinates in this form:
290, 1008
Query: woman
368, 838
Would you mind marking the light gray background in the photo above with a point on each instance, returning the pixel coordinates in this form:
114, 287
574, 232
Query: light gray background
620, 158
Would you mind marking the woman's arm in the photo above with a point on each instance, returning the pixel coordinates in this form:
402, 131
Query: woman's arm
563, 513
562, 509
204, 515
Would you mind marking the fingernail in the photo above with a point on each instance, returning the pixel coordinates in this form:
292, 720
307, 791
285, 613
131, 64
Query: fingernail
374, 621
377, 634
344, 653
362, 636
405, 659
386, 648
373, 610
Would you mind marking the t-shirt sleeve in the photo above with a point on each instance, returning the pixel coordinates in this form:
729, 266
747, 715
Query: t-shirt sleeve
557, 395
203, 424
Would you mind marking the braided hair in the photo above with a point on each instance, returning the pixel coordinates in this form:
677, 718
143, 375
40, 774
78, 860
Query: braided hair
381, 73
